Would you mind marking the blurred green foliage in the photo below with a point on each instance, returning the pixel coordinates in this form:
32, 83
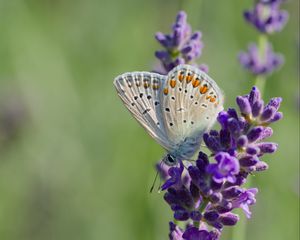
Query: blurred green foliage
73, 162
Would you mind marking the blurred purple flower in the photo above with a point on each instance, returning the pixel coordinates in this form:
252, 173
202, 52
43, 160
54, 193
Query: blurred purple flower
266, 16
181, 46
259, 63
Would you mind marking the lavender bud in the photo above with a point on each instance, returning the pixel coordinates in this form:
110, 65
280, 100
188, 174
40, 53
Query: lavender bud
242, 141
211, 216
267, 147
244, 105
277, 117
248, 161
275, 102
225, 137
231, 192
194, 191
254, 95
212, 143
268, 113
229, 219
196, 216
161, 55
254, 133
233, 126
257, 108
252, 150
216, 197
181, 215
261, 166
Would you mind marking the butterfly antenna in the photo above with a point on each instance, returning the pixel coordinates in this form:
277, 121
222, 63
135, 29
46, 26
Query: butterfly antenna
154, 181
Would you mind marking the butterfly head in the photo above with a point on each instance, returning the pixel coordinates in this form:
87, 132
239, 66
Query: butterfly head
170, 160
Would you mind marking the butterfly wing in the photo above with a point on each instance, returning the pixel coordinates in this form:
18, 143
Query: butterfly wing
141, 94
191, 101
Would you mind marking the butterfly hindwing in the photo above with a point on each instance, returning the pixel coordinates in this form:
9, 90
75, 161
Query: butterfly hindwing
191, 101
141, 94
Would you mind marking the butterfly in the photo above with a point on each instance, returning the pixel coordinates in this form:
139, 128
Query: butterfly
176, 109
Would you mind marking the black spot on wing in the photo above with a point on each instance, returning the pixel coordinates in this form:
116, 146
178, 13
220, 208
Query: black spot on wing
147, 110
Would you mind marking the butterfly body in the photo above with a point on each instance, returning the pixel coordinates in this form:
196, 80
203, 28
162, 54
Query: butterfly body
175, 109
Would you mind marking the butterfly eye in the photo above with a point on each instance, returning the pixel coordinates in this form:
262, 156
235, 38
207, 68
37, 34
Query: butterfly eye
171, 159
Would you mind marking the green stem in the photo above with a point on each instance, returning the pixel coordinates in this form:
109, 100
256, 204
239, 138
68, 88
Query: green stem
203, 205
196, 224
262, 45
260, 82
201, 209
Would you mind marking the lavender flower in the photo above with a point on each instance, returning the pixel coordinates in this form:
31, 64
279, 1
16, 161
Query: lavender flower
206, 194
181, 46
266, 16
259, 63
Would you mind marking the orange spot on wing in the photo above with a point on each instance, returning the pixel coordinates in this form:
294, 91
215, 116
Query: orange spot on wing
180, 77
212, 99
188, 78
172, 83
166, 91
146, 84
195, 83
203, 89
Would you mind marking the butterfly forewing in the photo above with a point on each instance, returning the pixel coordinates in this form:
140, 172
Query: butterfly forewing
141, 94
191, 101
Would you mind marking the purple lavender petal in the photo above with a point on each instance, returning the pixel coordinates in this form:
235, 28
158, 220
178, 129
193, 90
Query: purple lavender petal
268, 113
248, 161
181, 215
175, 176
242, 141
232, 192
257, 108
267, 147
225, 169
255, 133
175, 232
261, 166
196, 216
229, 219
244, 105
211, 216
193, 234
277, 117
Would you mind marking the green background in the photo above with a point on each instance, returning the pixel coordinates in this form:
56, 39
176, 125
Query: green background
73, 162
